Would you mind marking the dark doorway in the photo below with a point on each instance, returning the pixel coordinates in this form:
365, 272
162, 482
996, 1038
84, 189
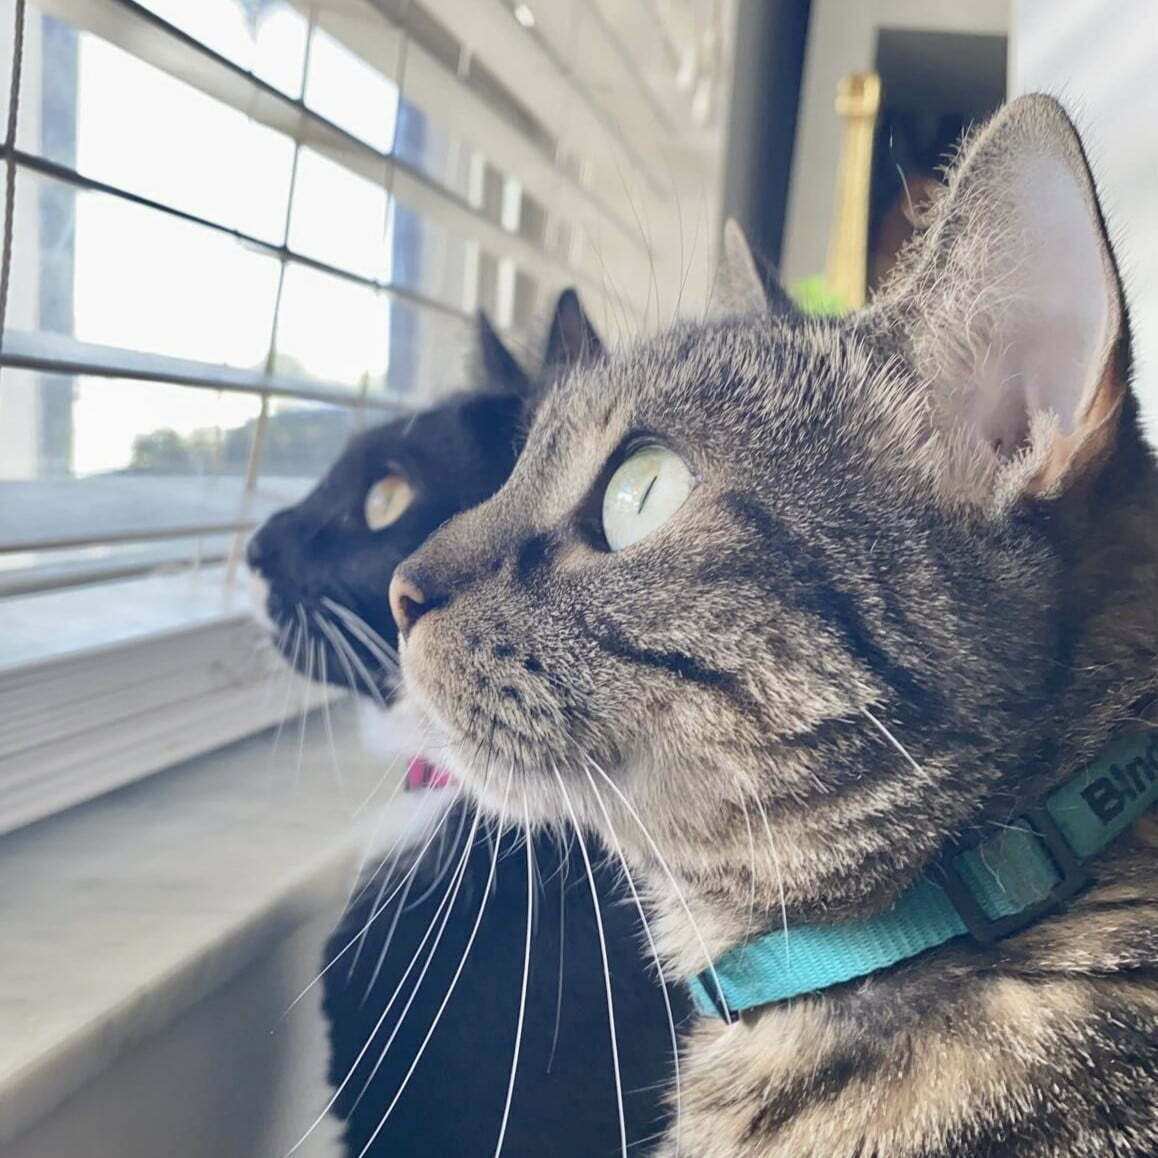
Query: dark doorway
934, 86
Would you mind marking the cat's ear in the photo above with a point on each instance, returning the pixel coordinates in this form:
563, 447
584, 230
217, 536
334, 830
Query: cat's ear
1015, 310
571, 339
740, 287
501, 369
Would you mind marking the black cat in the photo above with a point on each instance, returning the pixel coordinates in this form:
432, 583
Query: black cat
327, 563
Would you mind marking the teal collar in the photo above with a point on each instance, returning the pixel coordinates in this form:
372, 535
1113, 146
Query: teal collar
990, 889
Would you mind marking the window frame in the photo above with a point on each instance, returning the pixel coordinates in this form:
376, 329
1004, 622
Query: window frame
126, 744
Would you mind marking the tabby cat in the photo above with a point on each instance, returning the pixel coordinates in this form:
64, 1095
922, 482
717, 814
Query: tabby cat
794, 612
324, 566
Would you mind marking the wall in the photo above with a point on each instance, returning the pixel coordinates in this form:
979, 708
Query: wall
842, 39
233, 1077
1103, 69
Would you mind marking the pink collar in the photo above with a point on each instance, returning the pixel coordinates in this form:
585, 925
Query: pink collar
421, 774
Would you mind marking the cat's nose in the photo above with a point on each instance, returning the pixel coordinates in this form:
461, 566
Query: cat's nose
409, 602
260, 553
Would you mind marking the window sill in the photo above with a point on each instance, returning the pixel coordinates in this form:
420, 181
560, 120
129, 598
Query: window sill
122, 914
104, 685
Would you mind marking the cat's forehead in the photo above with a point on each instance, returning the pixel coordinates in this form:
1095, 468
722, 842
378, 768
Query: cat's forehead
741, 381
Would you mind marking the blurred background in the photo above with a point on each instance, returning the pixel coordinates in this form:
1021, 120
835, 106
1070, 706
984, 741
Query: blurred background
235, 231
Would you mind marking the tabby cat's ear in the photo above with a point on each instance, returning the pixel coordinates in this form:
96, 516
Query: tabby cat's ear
740, 287
1014, 306
500, 367
572, 339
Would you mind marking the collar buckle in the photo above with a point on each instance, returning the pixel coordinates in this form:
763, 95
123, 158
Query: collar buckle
1072, 874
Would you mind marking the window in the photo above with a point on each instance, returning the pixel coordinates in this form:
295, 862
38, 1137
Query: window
239, 229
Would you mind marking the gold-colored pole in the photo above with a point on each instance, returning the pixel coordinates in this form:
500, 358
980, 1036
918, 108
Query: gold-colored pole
858, 100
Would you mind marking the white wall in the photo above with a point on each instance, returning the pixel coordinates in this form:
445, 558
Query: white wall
233, 1077
842, 38
1101, 60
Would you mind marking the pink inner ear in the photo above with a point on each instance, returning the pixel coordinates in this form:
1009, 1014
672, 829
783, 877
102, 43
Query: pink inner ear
1040, 323
998, 411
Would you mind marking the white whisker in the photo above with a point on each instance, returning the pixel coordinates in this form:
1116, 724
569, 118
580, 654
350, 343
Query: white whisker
893, 740
291, 673
446, 999
371, 638
779, 879
562, 928
373, 917
328, 718
673, 882
675, 1048
399, 909
343, 645
606, 965
523, 988
398, 989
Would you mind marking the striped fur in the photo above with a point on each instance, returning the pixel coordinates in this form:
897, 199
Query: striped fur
871, 630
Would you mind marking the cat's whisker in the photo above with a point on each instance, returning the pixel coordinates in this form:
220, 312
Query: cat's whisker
603, 953
371, 683
451, 843
328, 719
617, 848
327, 630
752, 862
523, 987
449, 991
372, 638
399, 909
350, 661
888, 735
435, 831
779, 878
648, 245
559, 990
348, 945
374, 643
291, 679
307, 688
441, 917
389, 1005
662, 861
441, 870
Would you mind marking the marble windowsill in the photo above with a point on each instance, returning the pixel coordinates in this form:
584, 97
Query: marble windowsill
119, 915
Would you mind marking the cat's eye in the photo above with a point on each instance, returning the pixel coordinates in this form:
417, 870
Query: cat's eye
386, 501
647, 489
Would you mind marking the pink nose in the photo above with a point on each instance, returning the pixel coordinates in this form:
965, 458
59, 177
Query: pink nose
408, 604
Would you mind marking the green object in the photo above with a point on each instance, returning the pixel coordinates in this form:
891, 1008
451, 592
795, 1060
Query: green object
814, 297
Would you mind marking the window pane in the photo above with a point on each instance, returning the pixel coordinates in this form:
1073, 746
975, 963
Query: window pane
526, 299
533, 220
106, 270
344, 89
88, 457
428, 351
427, 258
338, 217
113, 117
433, 150
302, 441
332, 329
267, 38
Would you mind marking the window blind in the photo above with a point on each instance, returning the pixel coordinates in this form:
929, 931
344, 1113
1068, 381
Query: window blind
239, 229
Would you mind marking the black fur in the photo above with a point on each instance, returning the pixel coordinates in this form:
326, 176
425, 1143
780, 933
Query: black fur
454, 456
564, 1102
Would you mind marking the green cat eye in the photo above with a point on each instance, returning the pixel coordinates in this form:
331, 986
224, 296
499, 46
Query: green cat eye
386, 501
647, 489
